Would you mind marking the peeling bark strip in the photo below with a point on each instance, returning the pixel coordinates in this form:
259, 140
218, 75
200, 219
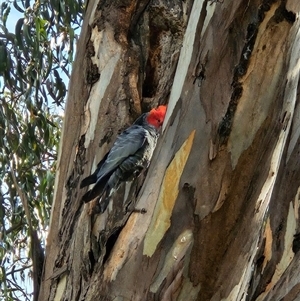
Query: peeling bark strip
275, 13
166, 200
239, 72
222, 223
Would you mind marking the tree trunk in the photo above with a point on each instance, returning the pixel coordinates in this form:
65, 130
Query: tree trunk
222, 191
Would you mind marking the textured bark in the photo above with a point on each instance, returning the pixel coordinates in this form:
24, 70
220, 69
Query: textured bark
222, 192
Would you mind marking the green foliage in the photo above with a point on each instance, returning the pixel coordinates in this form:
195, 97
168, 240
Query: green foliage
42, 44
35, 61
27, 162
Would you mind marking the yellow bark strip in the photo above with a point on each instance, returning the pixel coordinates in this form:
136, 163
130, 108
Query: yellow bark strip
60, 288
287, 255
160, 222
268, 245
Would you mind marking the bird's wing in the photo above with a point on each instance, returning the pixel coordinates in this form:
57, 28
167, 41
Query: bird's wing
91, 179
126, 144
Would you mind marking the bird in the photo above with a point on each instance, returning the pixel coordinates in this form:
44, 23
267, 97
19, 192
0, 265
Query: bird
130, 154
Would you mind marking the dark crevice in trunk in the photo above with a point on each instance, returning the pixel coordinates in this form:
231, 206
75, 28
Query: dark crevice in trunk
111, 242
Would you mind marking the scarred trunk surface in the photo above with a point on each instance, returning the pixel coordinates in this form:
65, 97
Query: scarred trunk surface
222, 191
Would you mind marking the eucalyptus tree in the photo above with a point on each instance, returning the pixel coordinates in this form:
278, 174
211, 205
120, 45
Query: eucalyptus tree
222, 190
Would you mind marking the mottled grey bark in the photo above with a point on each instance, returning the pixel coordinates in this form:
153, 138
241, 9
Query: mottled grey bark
222, 191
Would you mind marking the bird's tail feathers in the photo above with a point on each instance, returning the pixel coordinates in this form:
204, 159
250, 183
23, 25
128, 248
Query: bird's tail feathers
97, 191
88, 180
103, 198
88, 196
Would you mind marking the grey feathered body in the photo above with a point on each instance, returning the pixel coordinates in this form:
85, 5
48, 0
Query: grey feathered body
130, 154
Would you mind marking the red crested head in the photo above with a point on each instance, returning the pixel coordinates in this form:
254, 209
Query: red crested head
156, 116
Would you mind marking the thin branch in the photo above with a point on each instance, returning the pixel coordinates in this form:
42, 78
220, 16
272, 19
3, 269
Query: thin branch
19, 270
17, 288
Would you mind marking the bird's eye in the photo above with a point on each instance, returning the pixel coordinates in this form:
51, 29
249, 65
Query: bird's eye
158, 120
